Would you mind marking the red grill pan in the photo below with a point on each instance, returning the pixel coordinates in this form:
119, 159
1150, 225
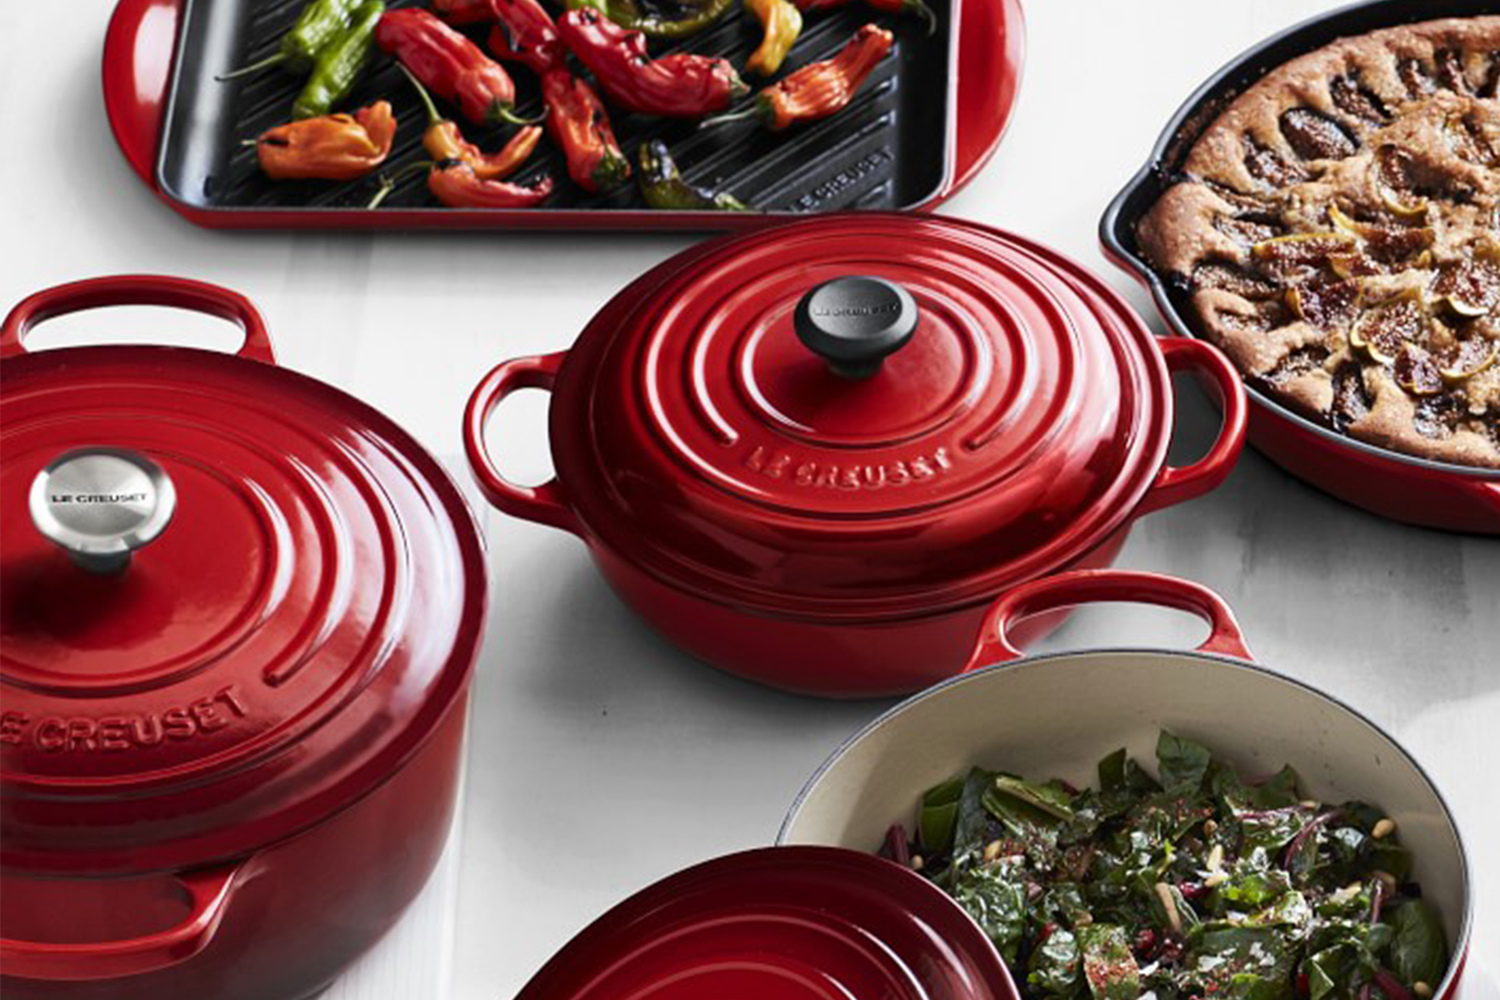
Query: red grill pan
1400, 487
927, 121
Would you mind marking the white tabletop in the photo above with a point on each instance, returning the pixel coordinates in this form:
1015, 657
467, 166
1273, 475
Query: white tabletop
600, 758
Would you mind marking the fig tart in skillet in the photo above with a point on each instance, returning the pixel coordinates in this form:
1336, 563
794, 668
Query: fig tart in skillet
1337, 232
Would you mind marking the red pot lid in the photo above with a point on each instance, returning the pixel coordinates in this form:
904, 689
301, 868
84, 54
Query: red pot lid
861, 414
781, 923
232, 600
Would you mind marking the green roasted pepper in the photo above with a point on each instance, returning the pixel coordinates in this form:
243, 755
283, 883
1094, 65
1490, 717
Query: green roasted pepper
318, 26
341, 64
663, 187
699, 14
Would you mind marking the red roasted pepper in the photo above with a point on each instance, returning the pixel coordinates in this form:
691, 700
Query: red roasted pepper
818, 89
917, 7
463, 11
576, 118
456, 185
675, 86
450, 65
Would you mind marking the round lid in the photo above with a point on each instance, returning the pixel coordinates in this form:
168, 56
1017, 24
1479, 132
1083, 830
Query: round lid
861, 415
781, 923
232, 598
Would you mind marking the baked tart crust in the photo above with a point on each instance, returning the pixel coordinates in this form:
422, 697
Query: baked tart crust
1336, 231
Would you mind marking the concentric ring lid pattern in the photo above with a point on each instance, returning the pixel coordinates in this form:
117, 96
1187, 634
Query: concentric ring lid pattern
781, 923
1018, 426
305, 618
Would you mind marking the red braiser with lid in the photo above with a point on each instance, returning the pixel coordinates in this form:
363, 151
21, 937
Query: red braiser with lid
234, 603
865, 422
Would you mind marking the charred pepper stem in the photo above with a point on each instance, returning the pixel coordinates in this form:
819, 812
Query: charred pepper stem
330, 148
783, 23
819, 89
663, 187
628, 14
319, 24
444, 141
675, 86
455, 184
917, 8
340, 65
450, 66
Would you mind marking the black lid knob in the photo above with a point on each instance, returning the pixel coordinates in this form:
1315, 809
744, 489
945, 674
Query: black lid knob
855, 323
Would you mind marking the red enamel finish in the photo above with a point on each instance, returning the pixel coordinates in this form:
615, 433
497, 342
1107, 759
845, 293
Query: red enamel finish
1001, 639
841, 537
141, 41
782, 923
297, 638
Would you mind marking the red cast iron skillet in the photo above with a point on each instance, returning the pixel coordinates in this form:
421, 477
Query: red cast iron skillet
1056, 715
1388, 483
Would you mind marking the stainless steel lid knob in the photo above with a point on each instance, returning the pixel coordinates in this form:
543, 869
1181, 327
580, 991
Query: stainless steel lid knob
101, 504
855, 323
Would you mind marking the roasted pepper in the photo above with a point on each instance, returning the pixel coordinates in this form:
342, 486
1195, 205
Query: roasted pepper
576, 118
783, 23
675, 86
329, 148
663, 187
463, 11
456, 185
918, 8
629, 14
341, 64
450, 66
818, 89
319, 24
444, 141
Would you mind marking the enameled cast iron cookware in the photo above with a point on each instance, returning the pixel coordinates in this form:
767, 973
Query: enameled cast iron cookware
802, 923
927, 121
1403, 487
1056, 715
813, 455
238, 616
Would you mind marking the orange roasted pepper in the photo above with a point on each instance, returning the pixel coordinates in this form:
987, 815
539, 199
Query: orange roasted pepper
332, 147
445, 142
782, 22
456, 185
818, 89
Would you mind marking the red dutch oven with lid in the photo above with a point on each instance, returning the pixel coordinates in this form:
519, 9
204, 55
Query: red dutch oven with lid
812, 455
238, 614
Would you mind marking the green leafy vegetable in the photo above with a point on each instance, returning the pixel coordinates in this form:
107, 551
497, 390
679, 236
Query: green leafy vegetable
1419, 951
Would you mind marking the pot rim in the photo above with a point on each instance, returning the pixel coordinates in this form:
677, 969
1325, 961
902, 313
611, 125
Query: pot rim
1120, 215
1215, 661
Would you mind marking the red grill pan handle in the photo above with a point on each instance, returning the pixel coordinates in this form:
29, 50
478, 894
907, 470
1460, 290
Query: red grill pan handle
992, 50
1092, 586
208, 893
543, 504
138, 290
138, 51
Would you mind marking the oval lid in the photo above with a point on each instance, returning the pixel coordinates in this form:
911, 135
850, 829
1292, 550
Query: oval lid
293, 628
711, 426
781, 923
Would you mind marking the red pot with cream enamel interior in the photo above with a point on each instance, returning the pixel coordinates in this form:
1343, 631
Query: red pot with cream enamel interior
238, 615
813, 455
1057, 715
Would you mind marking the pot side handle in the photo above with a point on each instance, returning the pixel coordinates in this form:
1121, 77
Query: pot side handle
138, 290
1176, 484
139, 48
543, 504
1091, 586
208, 891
